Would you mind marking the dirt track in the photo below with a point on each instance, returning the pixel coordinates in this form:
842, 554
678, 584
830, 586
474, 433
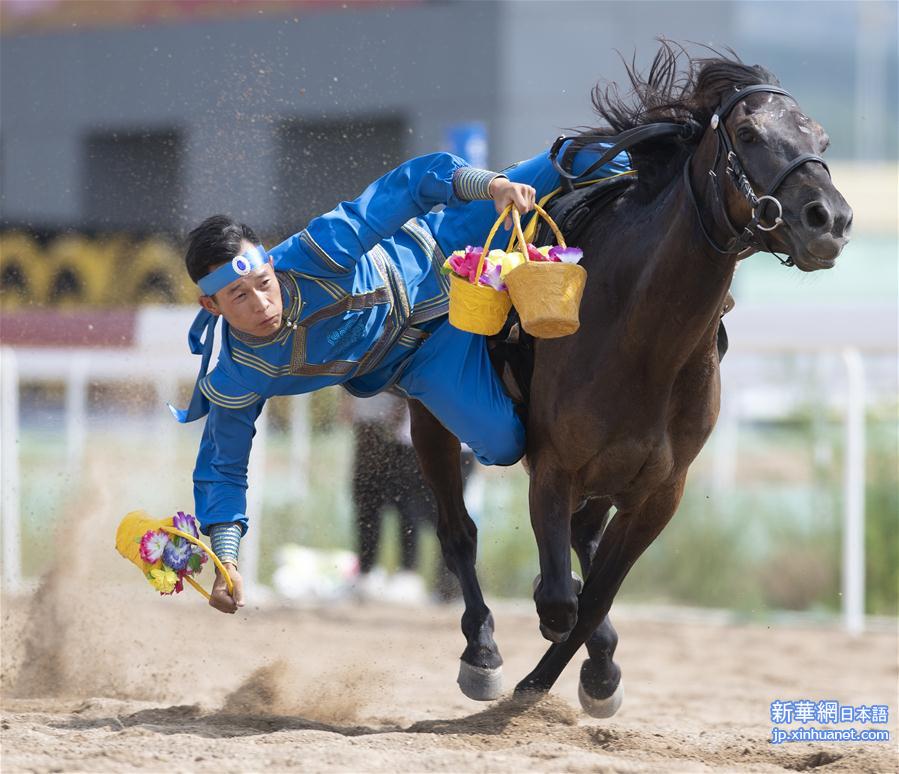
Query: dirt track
101, 674
156, 684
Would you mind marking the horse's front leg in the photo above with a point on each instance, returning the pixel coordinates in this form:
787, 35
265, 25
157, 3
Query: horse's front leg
628, 534
599, 689
555, 592
480, 669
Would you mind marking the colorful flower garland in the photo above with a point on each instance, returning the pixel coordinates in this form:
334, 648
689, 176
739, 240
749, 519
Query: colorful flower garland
172, 557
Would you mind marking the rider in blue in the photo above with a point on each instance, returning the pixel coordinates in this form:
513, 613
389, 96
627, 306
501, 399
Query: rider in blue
356, 299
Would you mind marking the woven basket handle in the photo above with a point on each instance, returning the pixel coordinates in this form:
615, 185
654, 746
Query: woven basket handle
215, 560
516, 220
519, 234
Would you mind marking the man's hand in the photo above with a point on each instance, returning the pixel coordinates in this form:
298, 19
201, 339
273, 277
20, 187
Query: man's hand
504, 192
220, 599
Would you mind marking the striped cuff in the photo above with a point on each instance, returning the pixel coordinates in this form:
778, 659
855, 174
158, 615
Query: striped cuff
471, 184
225, 541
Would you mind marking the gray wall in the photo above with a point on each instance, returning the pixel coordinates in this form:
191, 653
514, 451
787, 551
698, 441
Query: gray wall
545, 86
226, 88
251, 101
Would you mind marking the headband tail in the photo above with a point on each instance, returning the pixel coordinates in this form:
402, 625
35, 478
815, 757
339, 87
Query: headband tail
200, 344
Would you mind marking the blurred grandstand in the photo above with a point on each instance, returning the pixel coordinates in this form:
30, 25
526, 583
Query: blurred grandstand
125, 123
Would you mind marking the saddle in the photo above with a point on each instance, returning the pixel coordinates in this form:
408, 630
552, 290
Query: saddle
512, 349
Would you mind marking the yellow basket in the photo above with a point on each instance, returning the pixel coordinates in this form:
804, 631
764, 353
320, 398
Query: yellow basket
477, 308
547, 295
137, 523
474, 307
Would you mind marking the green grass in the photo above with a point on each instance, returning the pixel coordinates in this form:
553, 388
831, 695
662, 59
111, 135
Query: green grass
771, 542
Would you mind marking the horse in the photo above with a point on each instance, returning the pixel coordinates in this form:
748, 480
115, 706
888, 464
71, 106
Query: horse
618, 411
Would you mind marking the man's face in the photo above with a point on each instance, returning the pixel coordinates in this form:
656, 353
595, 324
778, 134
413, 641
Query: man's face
251, 304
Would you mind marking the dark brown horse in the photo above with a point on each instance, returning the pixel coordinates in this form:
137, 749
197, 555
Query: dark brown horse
620, 409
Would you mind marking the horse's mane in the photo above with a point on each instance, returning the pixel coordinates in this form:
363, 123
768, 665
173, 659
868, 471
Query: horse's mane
673, 91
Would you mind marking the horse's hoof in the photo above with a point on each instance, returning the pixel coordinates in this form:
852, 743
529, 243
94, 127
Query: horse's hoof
552, 636
600, 708
479, 683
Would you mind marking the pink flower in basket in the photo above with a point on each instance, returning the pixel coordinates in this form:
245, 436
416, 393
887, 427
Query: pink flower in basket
152, 544
539, 254
465, 262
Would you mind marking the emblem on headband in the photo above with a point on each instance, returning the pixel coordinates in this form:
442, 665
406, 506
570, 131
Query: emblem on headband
241, 265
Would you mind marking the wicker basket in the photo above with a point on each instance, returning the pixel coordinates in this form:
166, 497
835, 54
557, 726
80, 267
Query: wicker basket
474, 307
135, 524
546, 295
477, 308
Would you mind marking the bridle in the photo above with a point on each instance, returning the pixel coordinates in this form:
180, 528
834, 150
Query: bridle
752, 235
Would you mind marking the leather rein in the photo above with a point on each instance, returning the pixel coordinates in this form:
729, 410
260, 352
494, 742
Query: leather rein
751, 236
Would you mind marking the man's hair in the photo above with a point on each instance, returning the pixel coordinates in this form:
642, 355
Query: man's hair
216, 240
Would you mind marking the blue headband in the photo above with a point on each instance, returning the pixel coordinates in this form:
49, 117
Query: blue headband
240, 266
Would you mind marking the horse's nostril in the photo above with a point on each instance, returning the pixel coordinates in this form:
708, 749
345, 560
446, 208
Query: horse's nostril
816, 216
842, 223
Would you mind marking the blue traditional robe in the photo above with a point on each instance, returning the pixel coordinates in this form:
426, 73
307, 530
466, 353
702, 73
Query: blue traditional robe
365, 306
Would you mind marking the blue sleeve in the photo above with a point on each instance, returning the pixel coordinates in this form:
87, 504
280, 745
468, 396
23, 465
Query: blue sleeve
332, 243
220, 476
455, 228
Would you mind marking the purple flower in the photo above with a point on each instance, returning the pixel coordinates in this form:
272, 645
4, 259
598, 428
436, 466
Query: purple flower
186, 523
491, 277
177, 553
566, 254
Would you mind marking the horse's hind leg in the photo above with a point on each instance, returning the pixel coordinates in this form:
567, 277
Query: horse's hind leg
599, 690
480, 670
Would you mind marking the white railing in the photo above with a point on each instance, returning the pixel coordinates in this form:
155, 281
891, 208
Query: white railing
78, 369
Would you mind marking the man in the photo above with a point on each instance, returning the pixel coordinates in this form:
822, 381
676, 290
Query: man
357, 299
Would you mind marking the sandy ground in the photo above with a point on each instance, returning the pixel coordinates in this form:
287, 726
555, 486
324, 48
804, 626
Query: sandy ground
101, 674
148, 684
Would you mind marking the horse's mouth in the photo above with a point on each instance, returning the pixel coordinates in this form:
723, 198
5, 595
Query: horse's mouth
808, 262
819, 253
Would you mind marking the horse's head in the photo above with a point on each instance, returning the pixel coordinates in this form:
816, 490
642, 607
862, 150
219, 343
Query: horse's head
750, 157
768, 159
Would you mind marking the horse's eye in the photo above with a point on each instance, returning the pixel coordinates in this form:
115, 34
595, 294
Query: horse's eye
747, 135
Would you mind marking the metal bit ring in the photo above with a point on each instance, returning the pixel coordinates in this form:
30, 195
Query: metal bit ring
778, 219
